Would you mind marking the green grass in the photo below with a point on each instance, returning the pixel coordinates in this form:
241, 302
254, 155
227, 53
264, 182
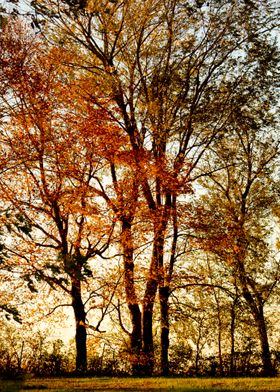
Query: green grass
142, 384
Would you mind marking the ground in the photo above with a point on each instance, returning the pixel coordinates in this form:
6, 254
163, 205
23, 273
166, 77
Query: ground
141, 384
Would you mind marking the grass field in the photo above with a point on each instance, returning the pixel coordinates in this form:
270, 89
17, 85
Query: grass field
142, 384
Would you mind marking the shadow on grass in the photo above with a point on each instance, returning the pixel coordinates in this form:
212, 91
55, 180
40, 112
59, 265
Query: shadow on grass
16, 386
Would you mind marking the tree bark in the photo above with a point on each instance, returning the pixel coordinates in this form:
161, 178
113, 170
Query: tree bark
81, 333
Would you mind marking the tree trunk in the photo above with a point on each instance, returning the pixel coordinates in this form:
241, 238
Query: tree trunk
265, 351
164, 287
220, 329
232, 339
164, 321
136, 340
131, 299
81, 333
255, 304
197, 355
156, 278
148, 344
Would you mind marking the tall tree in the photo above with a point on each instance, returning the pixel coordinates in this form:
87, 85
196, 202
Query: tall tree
51, 145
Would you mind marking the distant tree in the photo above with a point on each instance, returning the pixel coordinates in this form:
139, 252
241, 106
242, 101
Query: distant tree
239, 231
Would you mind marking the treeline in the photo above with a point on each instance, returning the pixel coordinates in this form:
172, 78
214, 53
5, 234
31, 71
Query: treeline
39, 355
139, 180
